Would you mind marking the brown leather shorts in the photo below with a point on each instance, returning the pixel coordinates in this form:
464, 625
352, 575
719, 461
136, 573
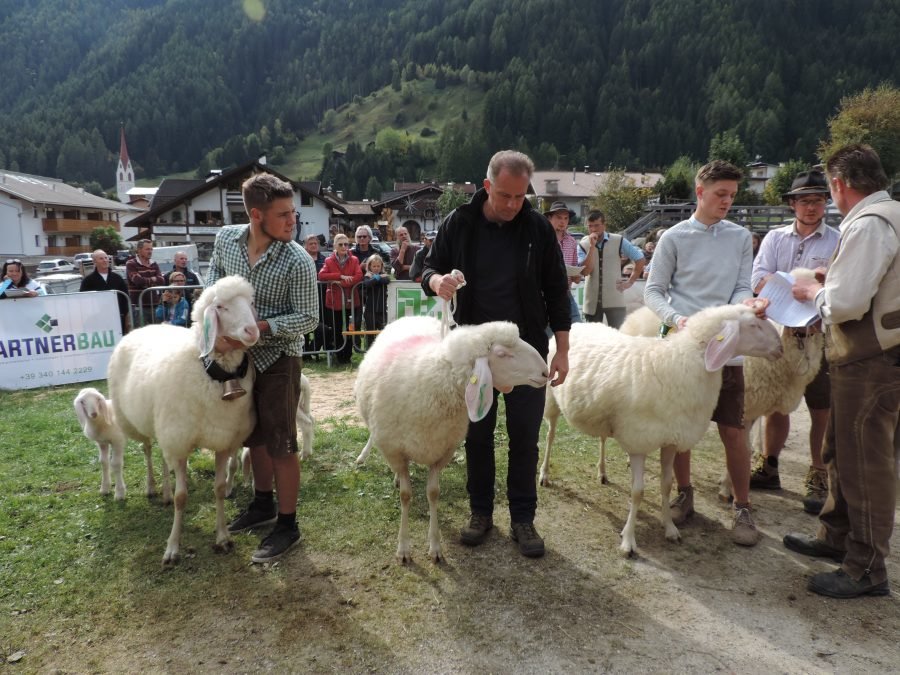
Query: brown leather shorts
276, 395
730, 406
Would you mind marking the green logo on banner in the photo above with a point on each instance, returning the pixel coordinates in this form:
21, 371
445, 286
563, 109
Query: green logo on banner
414, 302
46, 324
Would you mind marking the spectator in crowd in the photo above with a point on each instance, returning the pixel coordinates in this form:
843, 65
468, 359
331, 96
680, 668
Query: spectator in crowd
418, 265
402, 256
284, 281
807, 242
104, 279
701, 262
374, 297
363, 248
342, 302
174, 308
16, 280
513, 269
141, 273
180, 264
313, 244
756, 240
558, 214
860, 306
600, 253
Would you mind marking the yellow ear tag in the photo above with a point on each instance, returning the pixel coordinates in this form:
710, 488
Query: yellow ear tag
473, 379
720, 337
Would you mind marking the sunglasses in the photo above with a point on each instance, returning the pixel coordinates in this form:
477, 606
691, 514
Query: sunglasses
13, 261
342, 245
362, 236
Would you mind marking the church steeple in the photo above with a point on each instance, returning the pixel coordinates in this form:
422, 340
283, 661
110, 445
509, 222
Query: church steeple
124, 171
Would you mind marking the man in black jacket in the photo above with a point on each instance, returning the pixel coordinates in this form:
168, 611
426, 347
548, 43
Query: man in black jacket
104, 279
513, 270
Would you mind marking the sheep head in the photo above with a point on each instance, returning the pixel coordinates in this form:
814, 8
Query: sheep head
91, 404
498, 359
226, 309
732, 330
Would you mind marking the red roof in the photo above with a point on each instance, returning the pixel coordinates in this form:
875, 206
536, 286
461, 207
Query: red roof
123, 150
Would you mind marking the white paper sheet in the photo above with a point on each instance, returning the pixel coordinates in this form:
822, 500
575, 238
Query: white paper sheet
783, 308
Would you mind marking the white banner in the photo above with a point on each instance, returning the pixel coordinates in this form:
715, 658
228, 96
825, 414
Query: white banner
57, 339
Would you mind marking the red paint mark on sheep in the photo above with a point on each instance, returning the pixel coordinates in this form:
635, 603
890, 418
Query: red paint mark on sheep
404, 346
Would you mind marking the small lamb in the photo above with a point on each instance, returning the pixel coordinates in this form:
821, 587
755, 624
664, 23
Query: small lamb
649, 393
98, 423
447, 382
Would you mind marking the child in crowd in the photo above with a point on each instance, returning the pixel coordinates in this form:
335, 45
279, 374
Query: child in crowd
374, 285
174, 308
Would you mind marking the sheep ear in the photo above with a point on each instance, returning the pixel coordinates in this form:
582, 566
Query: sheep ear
209, 330
721, 348
480, 390
79, 410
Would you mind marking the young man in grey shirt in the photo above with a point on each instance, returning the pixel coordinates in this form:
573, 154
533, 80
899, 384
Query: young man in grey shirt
702, 262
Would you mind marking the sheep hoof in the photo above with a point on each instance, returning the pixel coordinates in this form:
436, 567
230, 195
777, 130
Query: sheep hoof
404, 558
226, 546
437, 557
170, 559
305, 455
604, 480
673, 535
545, 481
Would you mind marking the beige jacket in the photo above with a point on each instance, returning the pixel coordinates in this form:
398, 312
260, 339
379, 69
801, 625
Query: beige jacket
860, 303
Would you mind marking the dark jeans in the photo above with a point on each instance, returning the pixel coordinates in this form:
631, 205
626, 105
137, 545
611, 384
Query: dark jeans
860, 448
524, 411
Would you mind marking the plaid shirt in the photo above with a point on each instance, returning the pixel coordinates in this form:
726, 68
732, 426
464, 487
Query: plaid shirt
286, 294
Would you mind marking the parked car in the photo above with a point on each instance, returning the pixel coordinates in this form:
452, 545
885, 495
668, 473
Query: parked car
121, 257
82, 259
55, 265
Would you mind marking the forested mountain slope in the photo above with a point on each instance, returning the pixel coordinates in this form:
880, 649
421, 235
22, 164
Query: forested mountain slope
628, 82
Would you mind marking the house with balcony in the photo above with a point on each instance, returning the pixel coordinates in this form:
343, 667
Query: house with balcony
193, 210
576, 189
42, 216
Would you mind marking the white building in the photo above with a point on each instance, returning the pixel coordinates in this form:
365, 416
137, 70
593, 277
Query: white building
184, 210
42, 216
576, 189
759, 174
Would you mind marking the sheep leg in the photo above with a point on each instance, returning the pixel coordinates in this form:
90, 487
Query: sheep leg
551, 434
365, 452
172, 555
601, 463
667, 463
104, 468
148, 456
117, 462
306, 426
224, 460
402, 474
231, 469
628, 544
166, 483
434, 492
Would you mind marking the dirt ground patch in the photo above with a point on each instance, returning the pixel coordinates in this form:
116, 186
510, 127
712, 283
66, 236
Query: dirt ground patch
703, 605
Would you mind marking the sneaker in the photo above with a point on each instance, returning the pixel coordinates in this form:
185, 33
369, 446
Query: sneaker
530, 543
477, 530
256, 515
280, 539
743, 529
765, 476
682, 507
816, 490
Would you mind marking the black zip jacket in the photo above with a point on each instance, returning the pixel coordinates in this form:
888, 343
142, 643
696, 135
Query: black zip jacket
541, 275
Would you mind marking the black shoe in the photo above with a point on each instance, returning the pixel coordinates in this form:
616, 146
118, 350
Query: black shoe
477, 530
838, 584
813, 505
812, 546
765, 477
280, 539
255, 515
530, 543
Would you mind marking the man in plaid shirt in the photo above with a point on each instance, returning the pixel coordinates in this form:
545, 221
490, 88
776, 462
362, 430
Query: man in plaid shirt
284, 279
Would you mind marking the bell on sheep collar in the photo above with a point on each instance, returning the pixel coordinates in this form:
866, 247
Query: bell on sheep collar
232, 388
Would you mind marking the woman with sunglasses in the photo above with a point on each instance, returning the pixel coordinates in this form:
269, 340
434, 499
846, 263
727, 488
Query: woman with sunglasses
15, 280
342, 302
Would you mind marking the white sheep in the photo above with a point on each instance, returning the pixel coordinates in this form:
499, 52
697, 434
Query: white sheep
414, 391
305, 425
649, 393
98, 423
160, 389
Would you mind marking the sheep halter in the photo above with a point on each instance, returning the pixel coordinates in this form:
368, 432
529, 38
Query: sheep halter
232, 388
449, 306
